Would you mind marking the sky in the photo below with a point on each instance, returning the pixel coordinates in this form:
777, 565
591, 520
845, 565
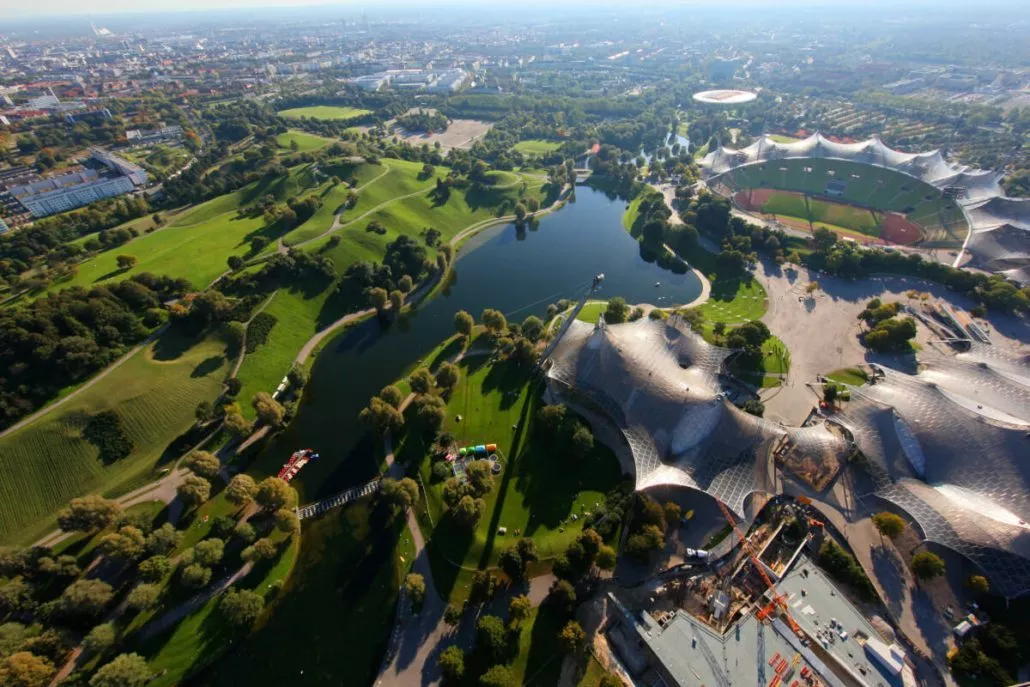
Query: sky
19, 8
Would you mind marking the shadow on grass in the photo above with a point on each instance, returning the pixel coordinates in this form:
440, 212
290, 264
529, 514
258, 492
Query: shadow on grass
208, 366
173, 343
450, 542
544, 660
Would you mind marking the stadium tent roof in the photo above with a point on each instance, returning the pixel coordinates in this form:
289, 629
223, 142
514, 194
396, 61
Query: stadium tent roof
977, 192
948, 446
658, 383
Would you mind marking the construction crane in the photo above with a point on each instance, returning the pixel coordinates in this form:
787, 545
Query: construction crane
777, 599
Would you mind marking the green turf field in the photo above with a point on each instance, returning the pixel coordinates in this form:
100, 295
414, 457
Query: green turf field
823, 212
154, 393
305, 142
324, 112
537, 146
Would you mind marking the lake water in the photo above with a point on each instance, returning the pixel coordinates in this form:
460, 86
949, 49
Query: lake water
516, 272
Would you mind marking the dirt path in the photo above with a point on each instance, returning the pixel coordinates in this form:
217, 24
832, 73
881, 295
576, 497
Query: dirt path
42, 412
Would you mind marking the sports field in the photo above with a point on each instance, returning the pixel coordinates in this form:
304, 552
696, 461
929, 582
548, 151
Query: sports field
305, 142
324, 112
884, 204
537, 146
154, 394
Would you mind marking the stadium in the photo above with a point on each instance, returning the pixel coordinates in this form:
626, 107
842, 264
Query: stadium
871, 193
947, 445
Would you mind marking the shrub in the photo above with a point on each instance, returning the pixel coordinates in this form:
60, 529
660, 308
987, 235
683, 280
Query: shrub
259, 329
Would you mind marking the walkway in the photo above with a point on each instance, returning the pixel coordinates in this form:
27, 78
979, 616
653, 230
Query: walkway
337, 500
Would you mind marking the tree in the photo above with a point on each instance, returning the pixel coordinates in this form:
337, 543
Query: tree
287, 521
415, 587
572, 637
100, 638
194, 489
927, 565
609, 680
25, 669
616, 310
378, 298
889, 524
381, 416
88, 513
128, 543
978, 584
551, 419
204, 463
241, 489
396, 300
209, 552
452, 614
469, 510
494, 321
269, 410
452, 663
264, 549
399, 494
245, 532
519, 609
127, 670
491, 637
195, 576
498, 676
126, 262
204, 412
463, 323
235, 263
83, 598
421, 381
563, 595
532, 328
241, 608
582, 440
405, 284
430, 412
237, 425
606, 558
448, 376
155, 568
479, 476
274, 493
143, 596
830, 393
754, 407
392, 395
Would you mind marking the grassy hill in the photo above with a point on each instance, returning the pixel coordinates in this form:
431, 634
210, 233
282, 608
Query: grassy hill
154, 394
305, 142
197, 243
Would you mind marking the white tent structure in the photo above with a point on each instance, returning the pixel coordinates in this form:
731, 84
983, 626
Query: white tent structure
999, 227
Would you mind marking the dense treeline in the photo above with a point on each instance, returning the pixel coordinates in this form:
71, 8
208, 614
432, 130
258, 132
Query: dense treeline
423, 120
49, 237
64, 337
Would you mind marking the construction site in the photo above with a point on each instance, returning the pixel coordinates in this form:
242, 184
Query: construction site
764, 615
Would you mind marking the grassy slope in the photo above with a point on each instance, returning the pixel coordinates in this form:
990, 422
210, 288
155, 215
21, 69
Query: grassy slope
48, 462
305, 142
195, 246
333, 617
323, 112
539, 489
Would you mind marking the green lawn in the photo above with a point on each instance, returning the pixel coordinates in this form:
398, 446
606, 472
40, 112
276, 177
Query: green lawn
196, 245
334, 615
780, 138
632, 213
161, 158
540, 489
154, 393
537, 146
735, 301
854, 376
324, 112
305, 142
592, 311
